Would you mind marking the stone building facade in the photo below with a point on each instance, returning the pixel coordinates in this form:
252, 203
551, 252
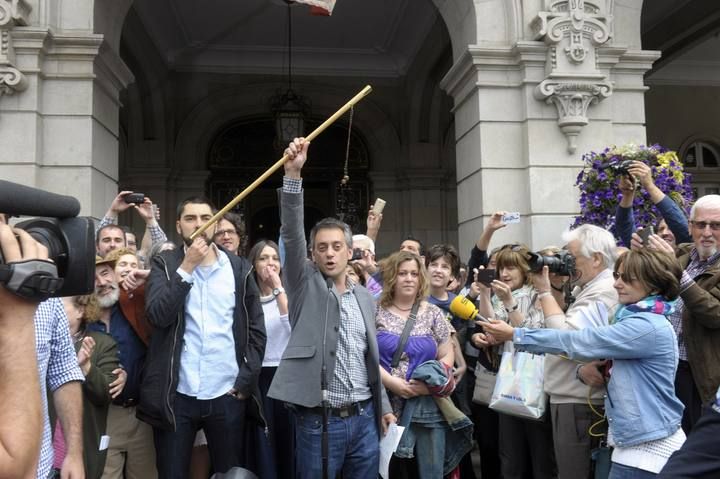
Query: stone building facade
477, 105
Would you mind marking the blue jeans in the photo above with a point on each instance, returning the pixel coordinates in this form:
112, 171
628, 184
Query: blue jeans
620, 471
354, 446
222, 419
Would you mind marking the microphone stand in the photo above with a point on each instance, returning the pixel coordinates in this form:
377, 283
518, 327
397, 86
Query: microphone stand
325, 447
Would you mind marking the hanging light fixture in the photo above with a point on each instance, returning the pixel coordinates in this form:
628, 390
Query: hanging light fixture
289, 108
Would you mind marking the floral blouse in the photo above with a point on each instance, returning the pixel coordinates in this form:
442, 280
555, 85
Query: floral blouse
431, 329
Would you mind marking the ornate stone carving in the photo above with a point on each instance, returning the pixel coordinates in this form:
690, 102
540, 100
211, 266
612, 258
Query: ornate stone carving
573, 29
572, 101
12, 13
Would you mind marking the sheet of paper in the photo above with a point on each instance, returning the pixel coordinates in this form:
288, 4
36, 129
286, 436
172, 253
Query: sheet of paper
104, 443
388, 444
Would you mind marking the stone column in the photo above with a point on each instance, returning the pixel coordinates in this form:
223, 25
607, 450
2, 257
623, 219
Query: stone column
61, 132
527, 110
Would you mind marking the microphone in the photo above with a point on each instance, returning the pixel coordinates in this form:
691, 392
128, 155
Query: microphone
17, 200
463, 308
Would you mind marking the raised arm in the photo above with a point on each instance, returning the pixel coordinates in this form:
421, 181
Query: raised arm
292, 229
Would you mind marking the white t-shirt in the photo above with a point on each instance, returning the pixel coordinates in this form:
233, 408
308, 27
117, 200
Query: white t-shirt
277, 327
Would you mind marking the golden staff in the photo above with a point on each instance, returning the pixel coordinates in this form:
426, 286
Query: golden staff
363, 93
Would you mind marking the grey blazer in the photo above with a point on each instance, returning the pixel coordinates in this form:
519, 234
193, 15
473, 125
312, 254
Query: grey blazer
297, 380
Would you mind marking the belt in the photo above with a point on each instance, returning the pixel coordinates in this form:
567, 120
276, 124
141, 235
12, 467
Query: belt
354, 409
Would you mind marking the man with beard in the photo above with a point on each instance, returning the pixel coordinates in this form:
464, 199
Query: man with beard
696, 318
206, 348
131, 453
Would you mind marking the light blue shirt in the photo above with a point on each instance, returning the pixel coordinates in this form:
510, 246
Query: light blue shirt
208, 365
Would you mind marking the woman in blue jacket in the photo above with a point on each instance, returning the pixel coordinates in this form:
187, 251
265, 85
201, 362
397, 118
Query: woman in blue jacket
642, 411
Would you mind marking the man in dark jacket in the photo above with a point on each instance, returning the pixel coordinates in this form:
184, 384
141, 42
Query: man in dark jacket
206, 348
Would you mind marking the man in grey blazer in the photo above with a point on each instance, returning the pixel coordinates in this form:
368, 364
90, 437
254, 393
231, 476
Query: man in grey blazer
333, 324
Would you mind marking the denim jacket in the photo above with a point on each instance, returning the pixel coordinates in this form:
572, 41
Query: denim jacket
641, 405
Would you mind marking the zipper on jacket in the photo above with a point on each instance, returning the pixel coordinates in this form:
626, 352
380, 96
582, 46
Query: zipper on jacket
172, 356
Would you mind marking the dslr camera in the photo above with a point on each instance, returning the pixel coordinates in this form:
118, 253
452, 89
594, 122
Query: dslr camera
562, 264
70, 241
618, 167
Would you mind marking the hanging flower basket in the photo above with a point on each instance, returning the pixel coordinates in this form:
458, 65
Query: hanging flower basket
600, 195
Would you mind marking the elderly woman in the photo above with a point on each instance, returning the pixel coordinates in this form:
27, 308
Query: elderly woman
525, 445
405, 286
643, 413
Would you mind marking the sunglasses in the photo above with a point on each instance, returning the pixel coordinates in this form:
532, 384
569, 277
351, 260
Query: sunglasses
626, 278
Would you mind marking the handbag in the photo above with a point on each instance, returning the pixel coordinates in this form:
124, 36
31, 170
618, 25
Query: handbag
484, 384
519, 386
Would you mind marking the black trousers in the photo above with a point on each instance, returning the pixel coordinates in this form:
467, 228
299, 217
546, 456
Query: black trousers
687, 393
699, 457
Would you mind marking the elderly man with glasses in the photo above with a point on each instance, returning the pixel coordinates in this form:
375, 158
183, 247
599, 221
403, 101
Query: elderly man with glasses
697, 314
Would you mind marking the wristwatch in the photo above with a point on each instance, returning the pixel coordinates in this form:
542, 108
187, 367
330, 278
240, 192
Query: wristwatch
278, 291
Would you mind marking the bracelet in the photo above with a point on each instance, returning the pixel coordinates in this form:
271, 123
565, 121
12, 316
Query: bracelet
544, 294
513, 308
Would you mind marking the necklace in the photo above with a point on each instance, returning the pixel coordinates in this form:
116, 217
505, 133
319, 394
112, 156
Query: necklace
401, 309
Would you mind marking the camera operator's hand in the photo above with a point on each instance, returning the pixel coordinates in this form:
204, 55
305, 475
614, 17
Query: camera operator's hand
374, 220
541, 281
657, 243
145, 210
21, 414
626, 185
118, 205
503, 292
495, 222
642, 173
195, 254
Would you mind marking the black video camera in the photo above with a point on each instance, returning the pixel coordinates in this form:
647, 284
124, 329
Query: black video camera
357, 254
70, 241
563, 263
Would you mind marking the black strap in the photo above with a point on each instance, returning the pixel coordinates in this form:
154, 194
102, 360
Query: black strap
405, 335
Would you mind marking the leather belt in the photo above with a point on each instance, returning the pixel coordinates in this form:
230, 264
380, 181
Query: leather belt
354, 409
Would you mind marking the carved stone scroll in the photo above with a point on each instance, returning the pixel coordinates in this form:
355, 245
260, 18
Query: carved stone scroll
573, 29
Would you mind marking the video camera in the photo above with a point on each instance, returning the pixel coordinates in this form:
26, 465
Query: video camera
563, 263
70, 241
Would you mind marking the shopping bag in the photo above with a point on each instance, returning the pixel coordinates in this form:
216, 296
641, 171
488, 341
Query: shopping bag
484, 384
519, 385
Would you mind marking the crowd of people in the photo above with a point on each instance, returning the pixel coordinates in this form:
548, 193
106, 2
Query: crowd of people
294, 358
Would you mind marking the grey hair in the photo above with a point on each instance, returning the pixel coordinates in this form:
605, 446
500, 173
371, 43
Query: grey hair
365, 241
593, 239
707, 201
331, 223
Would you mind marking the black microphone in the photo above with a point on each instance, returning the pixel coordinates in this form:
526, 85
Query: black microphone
17, 199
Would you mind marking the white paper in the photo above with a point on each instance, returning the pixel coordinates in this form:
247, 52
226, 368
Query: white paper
104, 443
388, 445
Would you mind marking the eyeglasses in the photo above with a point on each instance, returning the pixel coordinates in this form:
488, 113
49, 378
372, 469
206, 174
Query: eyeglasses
701, 225
626, 278
221, 233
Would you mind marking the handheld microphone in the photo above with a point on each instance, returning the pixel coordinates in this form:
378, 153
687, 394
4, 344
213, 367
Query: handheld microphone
463, 308
23, 200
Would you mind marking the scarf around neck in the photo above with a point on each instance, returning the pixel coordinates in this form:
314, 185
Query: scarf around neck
652, 304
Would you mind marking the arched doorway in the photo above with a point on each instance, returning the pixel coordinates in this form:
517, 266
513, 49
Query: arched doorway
244, 149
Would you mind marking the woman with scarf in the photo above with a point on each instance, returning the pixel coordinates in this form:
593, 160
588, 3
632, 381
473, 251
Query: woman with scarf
642, 411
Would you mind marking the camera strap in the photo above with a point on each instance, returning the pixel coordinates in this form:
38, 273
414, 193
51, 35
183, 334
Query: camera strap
34, 280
